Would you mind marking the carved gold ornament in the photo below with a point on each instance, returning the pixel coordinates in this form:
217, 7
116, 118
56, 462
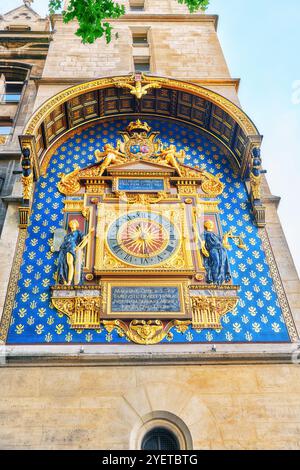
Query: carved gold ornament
255, 183
135, 85
146, 332
27, 182
142, 198
69, 183
207, 311
212, 185
83, 312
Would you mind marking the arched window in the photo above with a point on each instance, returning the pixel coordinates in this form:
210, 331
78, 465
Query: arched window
160, 439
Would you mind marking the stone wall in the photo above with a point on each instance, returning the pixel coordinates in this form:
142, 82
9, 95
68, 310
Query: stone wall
179, 47
224, 407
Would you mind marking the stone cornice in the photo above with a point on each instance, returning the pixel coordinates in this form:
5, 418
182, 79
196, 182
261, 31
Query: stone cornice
103, 355
152, 17
145, 360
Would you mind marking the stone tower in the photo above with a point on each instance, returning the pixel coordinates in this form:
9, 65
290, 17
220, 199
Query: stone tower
147, 288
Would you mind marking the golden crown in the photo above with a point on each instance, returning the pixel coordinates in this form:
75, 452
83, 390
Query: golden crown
138, 125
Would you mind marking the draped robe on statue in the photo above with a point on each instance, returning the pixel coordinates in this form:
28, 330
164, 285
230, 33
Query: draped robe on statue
71, 241
216, 265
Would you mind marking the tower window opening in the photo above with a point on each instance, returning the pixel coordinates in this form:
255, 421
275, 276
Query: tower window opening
137, 5
141, 64
140, 39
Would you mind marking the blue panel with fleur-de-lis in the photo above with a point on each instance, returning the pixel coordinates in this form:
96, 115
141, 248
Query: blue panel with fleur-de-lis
258, 316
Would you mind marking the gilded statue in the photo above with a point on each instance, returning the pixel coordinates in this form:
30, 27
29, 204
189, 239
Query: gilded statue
109, 156
215, 256
70, 255
171, 156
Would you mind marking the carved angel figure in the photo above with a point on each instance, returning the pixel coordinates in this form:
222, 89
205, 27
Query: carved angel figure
170, 156
109, 156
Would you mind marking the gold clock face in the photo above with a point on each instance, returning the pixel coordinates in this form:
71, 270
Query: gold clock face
142, 238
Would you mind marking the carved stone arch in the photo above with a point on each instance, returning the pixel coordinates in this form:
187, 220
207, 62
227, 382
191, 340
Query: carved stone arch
174, 406
162, 419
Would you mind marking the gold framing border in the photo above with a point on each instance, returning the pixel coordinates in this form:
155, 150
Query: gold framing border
281, 294
12, 285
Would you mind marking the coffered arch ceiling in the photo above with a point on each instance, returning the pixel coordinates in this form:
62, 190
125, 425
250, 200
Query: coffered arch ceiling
175, 99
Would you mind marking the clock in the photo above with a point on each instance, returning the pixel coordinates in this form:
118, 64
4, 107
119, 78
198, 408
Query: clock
142, 238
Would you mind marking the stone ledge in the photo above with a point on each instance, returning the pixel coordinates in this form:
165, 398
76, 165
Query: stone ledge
144, 359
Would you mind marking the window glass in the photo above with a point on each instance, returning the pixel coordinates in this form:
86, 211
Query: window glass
160, 439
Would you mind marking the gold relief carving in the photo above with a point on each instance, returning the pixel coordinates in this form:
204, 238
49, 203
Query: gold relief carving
212, 185
27, 183
207, 311
69, 184
3, 139
189, 173
146, 332
73, 206
24, 213
135, 85
206, 207
143, 198
98, 189
283, 301
185, 189
83, 312
141, 331
181, 326
255, 183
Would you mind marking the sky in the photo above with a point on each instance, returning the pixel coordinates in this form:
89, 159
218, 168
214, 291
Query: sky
261, 43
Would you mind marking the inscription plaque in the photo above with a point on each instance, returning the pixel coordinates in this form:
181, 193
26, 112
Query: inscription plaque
143, 185
145, 299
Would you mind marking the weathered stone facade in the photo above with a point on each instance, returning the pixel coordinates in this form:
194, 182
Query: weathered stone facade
243, 396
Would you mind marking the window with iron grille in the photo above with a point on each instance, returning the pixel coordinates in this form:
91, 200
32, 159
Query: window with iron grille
160, 439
